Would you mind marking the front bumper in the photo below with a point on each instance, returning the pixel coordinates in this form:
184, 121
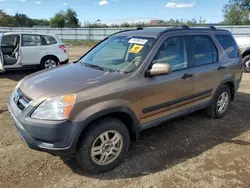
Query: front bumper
54, 137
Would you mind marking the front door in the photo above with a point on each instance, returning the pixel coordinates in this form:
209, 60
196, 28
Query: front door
168, 94
1, 55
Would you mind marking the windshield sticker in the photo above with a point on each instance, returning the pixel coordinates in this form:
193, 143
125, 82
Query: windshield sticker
138, 41
136, 49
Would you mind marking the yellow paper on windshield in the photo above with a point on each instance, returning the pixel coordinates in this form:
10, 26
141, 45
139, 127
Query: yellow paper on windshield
136, 49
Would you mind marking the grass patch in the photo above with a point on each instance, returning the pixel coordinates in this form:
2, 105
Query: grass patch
80, 42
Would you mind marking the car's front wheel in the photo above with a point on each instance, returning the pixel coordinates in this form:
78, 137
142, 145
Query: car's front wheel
103, 146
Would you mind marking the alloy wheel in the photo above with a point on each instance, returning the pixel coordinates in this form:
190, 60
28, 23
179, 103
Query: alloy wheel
107, 147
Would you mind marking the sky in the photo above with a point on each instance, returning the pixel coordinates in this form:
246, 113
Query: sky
113, 11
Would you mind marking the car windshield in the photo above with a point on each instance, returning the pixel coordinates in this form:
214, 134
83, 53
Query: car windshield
118, 53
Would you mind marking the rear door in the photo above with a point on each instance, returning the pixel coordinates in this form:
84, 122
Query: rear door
31, 49
208, 71
1, 55
232, 56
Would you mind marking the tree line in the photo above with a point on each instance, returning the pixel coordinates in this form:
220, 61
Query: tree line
236, 12
61, 19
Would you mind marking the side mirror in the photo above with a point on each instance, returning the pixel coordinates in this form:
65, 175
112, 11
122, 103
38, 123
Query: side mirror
159, 69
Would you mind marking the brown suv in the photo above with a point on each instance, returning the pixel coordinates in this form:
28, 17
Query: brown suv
131, 81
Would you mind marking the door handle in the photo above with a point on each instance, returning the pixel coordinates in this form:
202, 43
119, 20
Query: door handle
221, 68
186, 76
42, 48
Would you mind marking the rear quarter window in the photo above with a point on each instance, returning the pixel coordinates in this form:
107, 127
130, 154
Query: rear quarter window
229, 45
49, 40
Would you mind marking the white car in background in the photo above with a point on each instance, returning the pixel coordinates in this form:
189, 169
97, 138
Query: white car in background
26, 50
244, 44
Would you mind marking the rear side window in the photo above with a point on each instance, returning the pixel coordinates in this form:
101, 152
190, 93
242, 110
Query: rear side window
229, 45
31, 40
205, 52
49, 40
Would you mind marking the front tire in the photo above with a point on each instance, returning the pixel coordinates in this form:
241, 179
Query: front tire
246, 63
49, 62
220, 103
104, 146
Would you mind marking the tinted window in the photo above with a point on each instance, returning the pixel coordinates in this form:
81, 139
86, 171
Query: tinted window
32, 40
49, 40
229, 45
204, 50
10, 40
174, 52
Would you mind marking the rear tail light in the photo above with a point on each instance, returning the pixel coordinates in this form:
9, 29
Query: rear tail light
63, 48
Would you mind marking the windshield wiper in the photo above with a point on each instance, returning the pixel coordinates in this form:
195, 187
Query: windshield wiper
100, 67
95, 66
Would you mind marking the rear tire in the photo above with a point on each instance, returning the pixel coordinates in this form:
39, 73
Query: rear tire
104, 146
220, 103
246, 63
49, 62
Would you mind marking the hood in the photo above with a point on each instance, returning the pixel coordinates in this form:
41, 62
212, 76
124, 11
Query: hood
64, 80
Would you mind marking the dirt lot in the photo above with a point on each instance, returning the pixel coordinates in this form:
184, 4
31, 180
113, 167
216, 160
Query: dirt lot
192, 151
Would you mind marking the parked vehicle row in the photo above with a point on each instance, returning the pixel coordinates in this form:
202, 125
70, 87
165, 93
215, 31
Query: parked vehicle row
25, 50
131, 81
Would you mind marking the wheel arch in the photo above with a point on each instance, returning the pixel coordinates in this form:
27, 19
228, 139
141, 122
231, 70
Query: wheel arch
246, 52
231, 84
124, 114
47, 56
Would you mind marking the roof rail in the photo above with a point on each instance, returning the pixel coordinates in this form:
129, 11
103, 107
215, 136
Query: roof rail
139, 28
212, 27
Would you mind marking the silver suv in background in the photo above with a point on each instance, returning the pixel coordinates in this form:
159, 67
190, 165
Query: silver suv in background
244, 44
24, 50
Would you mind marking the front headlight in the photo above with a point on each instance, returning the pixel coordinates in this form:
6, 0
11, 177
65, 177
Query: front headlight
58, 108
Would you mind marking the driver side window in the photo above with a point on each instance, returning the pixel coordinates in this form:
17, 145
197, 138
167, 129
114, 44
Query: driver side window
174, 52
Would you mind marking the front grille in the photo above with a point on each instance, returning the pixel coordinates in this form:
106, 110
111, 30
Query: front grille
21, 100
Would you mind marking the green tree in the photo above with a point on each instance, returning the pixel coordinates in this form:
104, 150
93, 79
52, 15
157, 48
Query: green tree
243, 4
65, 19
71, 19
58, 20
19, 20
6, 20
41, 22
234, 14
22, 20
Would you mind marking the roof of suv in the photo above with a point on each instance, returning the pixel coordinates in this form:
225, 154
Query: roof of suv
155, 32
26, 33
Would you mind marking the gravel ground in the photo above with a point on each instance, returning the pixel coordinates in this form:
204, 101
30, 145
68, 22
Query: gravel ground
191, 151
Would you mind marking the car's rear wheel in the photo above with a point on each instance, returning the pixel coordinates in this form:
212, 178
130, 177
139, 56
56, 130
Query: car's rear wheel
49, 62
103, 146
220, 103
246, 62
